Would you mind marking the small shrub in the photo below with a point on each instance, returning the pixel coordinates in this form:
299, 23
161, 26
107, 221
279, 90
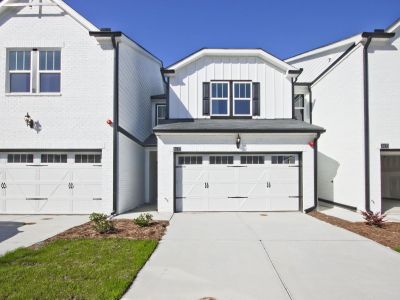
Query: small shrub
374, 219
143, 220
101, 223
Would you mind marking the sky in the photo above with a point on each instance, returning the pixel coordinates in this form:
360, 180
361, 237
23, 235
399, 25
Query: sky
172, 29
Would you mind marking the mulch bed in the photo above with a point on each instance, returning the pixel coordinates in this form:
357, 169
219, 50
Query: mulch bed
124, 228
388, 235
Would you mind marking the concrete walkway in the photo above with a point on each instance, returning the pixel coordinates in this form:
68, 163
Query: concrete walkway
253, 256
25, 230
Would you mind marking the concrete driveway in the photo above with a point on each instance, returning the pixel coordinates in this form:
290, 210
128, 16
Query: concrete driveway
278, 256
25, 230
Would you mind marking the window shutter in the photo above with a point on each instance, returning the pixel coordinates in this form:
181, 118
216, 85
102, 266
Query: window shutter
256, 98
206, 98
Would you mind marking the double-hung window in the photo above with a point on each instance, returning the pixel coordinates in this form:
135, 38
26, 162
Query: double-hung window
20, 71
299, 107
34, 71
220, 98
160, 113
242, 98
50, 71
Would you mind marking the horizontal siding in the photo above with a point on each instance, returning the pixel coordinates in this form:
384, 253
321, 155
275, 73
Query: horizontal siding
186, 85
140, 78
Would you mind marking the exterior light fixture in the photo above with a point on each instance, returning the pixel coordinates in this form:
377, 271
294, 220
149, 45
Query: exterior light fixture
238, 141
109, 122
28, 120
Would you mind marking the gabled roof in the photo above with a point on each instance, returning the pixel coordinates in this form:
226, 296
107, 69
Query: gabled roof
392, 27
91, 28
232, 52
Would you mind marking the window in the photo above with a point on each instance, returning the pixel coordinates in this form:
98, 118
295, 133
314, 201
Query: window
190, 160
299, 107
54, 158
50, 71
88, 158
221, 160
283, 160
219, 98
160, 112
19, 158
252, 160
19, 68
242, 98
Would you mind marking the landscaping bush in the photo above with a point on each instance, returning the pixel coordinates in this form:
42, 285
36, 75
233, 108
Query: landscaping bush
374, 219
143, 220
101, 223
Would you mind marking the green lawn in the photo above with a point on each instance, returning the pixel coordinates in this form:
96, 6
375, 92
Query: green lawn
76, 269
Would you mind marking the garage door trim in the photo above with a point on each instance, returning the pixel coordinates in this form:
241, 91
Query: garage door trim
300, 167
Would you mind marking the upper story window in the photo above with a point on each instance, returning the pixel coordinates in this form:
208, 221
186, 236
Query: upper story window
242, 98
20, 71
32, 71
161, 111
220, 98
299, 107
50, 71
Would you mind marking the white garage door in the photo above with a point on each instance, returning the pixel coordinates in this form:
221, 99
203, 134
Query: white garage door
50, 182
246, 182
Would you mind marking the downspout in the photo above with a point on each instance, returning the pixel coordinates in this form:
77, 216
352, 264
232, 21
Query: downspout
316, 170
115, 44
310, 102
167, 100
366, 125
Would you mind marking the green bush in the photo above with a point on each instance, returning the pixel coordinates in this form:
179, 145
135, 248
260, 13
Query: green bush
101, 223
143, 220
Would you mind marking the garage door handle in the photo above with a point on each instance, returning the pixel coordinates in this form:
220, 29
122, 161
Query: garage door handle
3, 185
238, 197
294, 197
37, 198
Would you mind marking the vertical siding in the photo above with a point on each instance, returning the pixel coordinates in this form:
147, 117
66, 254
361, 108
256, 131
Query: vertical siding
186, 85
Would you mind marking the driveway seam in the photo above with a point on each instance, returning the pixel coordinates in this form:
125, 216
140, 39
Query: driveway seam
276, 271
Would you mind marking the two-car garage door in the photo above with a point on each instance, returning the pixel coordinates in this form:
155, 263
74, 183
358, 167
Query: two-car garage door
233, 182
50, 182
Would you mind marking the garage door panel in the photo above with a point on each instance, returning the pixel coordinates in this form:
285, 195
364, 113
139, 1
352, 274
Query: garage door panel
253, 174
192, 203
282, 203
223, 203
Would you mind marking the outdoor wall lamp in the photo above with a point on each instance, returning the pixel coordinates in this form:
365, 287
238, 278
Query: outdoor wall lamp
238, 141
28, 120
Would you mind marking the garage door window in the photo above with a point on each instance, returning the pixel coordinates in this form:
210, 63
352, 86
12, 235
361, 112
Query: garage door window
19, 158
252, 160
283, 160
190, 160
54, 158
221, 160
88, 158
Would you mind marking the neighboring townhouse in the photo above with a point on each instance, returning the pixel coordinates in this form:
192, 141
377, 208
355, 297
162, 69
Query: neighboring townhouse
85, 94
352, 89
231, 141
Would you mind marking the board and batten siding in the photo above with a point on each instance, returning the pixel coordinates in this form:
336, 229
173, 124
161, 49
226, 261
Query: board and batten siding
186, 93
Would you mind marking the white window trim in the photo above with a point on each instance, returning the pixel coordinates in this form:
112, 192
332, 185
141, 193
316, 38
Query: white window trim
249, 99
301, 107
31, 72
39, 72
158, 105
215, 98
9, 72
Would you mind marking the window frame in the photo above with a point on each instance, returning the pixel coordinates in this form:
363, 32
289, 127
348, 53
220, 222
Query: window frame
158, 105
40, 72
250, 99
20, 154
87, 154
9, 72
53, 162
300, 108
228, 112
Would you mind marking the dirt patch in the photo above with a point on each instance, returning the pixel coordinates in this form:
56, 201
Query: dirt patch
388, 235
123, 229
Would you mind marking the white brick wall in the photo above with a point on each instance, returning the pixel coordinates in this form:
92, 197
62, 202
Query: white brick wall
76, 119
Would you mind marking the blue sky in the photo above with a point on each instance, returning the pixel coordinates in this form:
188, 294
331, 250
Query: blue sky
172, 29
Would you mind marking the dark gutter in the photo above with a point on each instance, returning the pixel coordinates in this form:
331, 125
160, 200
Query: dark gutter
167, 101
115, 44
293, 112
105, 33
316, 170
299, 71
244, 130
310, 101
366, 124
379, 33
158, 97
166, 71
334, 63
